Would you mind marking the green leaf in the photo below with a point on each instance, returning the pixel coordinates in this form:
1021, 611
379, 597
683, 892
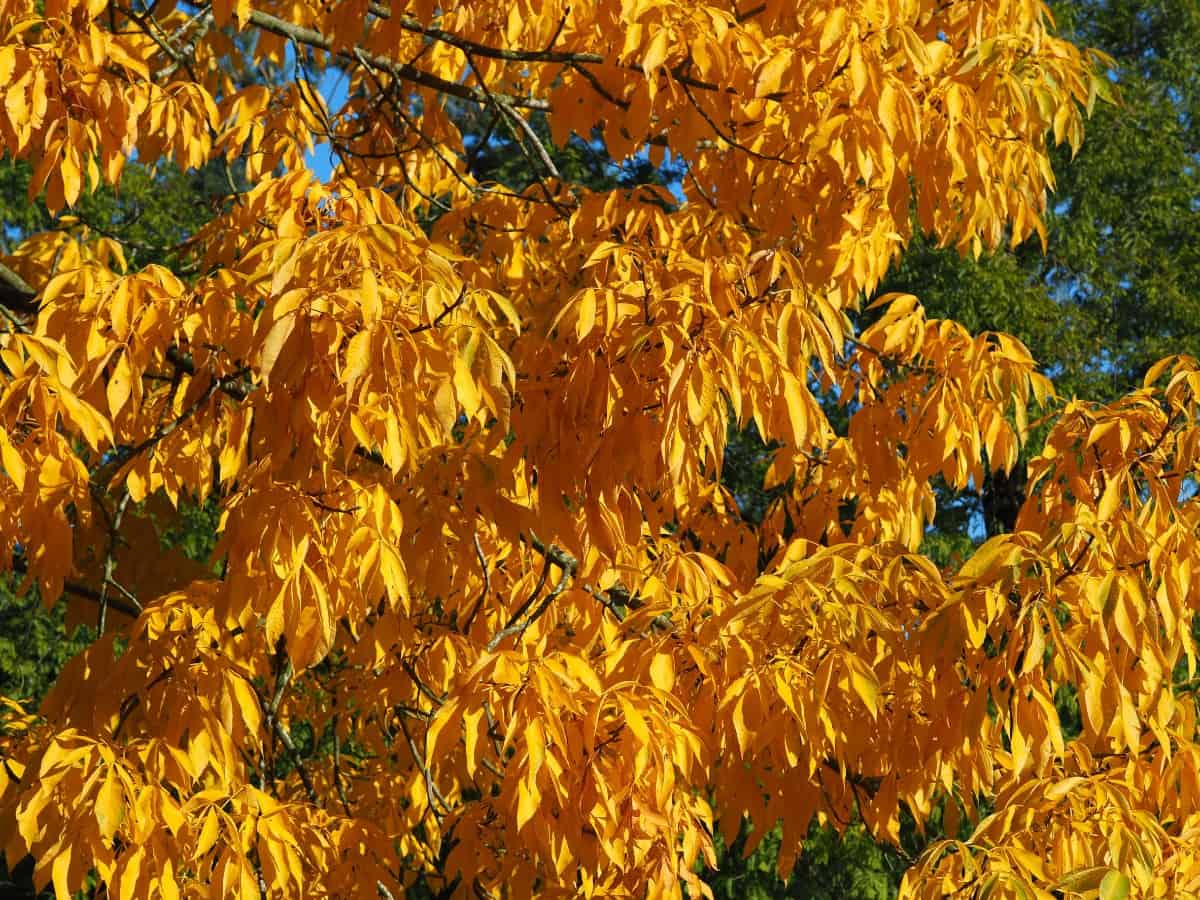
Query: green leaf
1115, 886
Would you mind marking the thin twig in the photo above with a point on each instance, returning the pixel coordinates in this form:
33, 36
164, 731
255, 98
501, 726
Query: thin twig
484, 591
433, 795
297, 760
403, 71
123, 454
729, 139
110, 563
21, 567
518, 627
441, 316
421, 685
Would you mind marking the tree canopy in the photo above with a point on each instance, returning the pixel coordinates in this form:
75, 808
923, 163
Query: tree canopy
482, 617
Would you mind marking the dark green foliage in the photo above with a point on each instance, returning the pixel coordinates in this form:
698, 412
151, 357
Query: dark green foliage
194, 530
1118, 286
832, 867
746, 462
34, 643
497, 152
152, 213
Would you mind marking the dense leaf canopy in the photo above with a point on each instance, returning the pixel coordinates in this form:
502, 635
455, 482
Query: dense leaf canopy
482, 617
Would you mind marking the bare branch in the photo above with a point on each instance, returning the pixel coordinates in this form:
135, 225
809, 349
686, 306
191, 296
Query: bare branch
78, 589
408, 23
433, 795
484, 591
16, 294
517, 626
110, 560
598, 87
403, 71
574, 59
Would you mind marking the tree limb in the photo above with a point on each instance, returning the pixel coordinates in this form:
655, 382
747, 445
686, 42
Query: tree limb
15, 292
78, 589
403, 71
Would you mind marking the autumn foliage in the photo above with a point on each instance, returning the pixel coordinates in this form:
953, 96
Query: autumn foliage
467, 444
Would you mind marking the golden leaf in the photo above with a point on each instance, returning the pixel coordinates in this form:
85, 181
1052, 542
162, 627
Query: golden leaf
110, 805
662, 671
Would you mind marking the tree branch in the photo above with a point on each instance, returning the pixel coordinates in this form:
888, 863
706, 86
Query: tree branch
16, 293
433, 795
516, 625
78, 589
403, 71
483, 592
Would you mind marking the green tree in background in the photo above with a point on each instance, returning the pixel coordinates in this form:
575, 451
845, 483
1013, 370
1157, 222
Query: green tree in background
152, 214
1119, 285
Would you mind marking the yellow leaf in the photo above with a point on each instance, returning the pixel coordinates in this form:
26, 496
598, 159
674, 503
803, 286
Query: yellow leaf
701, 395
834, 28
445, 715
71, 174
656, 53
131, 871
60, 870
887, 110
793, 394
587, 315
472, 724
1109, 500
514, 26
636, 721
110, 806
770, 77
1131, 726
858, 71
465, 386
1082, 880
273, 345
662, 671
1115, 886
865, 686
1064, 787
535, 741
208, 834
1036, 648
119, 386
739, 724
167, 886
528, 797
14, 466
996, 553
1124, 621
369, 298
